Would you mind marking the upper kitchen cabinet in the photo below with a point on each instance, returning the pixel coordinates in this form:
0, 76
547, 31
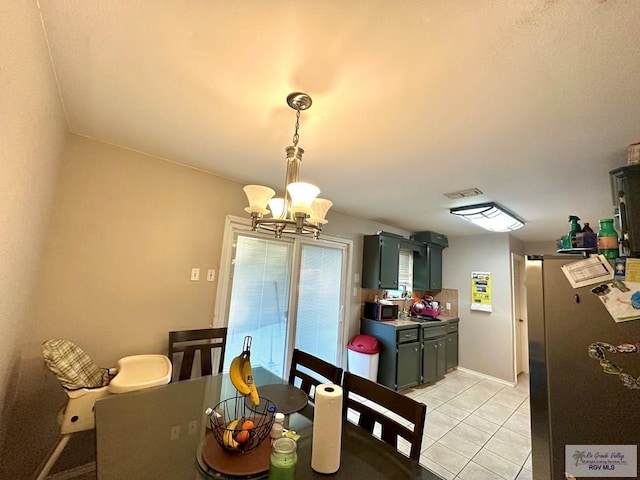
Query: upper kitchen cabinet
427, 263
626, 191
381, 259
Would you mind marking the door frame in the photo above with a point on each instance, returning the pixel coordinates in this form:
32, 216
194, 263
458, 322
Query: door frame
519, 316
234, 225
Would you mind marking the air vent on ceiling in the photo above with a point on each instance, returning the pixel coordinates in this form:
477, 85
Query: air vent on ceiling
469, 192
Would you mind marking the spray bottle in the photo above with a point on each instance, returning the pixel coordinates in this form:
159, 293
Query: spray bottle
574, 229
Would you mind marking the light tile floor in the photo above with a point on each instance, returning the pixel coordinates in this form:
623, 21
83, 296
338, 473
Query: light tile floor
476, 428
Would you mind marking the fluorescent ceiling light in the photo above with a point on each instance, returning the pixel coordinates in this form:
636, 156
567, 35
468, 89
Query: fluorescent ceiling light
490, 216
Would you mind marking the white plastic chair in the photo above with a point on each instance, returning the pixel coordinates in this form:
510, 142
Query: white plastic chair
84, 382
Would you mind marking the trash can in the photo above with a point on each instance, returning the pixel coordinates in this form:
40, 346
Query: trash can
363, 353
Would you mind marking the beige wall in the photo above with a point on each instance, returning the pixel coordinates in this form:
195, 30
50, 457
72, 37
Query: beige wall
32, 136
485, 339
126, 232
541, 248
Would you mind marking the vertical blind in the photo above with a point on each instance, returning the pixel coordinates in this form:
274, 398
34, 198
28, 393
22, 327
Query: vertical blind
405, 270
319, 301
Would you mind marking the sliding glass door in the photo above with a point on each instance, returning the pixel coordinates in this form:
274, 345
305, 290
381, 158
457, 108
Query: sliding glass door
259, 302
319, 311
285, 293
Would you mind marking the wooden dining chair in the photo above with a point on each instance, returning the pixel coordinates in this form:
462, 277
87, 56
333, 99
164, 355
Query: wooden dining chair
400, 416
310, 371
183, 345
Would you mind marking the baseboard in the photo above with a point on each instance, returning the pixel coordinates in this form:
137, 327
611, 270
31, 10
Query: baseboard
488, 377
73, 472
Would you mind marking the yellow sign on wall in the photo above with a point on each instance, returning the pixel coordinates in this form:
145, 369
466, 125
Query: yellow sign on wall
481, 291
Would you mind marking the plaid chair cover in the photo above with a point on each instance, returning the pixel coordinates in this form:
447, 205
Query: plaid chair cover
73, 367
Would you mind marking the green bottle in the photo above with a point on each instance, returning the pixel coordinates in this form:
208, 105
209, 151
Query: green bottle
607, 238
573, 229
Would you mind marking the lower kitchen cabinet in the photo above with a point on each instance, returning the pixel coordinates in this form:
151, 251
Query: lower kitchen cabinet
434, 353
400, 360
408, 369
452, 345
413, 353
440, 349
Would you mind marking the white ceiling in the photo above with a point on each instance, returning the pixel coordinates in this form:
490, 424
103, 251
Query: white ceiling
533, 101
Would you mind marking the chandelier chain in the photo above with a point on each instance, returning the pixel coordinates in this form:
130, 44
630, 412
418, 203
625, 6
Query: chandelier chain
295, 135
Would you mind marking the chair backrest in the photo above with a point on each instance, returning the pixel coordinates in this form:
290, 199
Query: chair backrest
188, 342
73, 367
391, 402
312, 371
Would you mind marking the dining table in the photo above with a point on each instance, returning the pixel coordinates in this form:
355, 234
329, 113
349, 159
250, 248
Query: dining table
164, 432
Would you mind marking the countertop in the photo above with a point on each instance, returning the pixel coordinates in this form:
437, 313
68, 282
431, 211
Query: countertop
408, 322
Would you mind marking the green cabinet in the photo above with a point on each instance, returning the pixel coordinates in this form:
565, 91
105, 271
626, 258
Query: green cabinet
452, 345
626, 194
408, 368
427, 268
400, 357
434, 352
427, 263
380, 261
440, 349
412, 354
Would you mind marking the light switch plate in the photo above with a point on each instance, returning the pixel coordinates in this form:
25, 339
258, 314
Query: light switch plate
195, 274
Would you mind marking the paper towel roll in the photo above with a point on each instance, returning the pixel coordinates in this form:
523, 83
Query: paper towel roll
327, 428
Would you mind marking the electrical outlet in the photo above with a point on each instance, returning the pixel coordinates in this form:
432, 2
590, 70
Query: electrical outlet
211, 275
195, 274
175, 432
356, 278
448, 306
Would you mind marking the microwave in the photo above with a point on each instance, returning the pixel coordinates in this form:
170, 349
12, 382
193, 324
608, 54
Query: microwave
380, 311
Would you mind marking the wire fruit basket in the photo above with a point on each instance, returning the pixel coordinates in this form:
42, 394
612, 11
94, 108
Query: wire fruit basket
239, 426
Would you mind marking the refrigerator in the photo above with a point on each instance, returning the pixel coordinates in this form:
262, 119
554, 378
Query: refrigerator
585, 420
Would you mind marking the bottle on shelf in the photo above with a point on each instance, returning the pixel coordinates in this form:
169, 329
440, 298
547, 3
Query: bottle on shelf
586, 238
277, 430
607, 239
574, 229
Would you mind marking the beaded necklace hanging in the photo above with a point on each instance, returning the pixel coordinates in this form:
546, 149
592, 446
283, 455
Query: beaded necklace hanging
597, 351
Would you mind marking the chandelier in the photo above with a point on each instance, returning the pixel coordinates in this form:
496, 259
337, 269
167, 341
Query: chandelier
297, 211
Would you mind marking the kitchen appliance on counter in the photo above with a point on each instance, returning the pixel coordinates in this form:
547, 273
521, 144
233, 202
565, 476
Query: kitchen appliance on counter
380, 311
583, 392
425, 307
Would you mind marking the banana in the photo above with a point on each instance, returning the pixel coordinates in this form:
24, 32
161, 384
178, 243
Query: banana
227, 437
236, 373
247, 373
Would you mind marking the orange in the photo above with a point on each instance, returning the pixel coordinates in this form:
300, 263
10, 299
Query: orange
242, 436
248, 425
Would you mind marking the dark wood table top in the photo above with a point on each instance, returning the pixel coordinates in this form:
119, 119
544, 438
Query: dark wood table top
160, 432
